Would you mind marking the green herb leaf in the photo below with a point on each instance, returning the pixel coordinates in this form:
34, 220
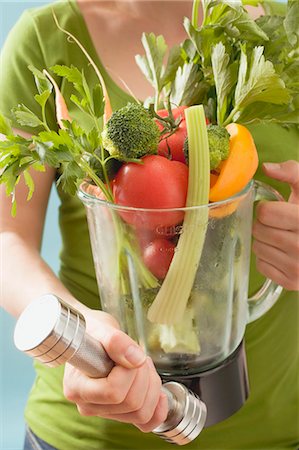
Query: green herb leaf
188, 87
25, 160
267, 112
41, 149
277, 48
291, 22
290, 76
201, 40
174, 61
206, 4
9, 177
234, 20
71, 176
74, 129
72, 74
87, 93
42, 98
91, 100
29, 183
5, 127
41, 81
225, 76
53, 148
145, 68
77, 102
38, 167
57, 139
26, 117
188, 51
14, 208
152, 64
94, 139
98, 100
247, 26
258, 82
280, 51
45, 155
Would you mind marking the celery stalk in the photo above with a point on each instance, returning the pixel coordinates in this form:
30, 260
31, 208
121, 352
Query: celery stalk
171, 300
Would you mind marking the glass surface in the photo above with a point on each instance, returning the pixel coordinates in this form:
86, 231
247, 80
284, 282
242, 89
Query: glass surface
214, 320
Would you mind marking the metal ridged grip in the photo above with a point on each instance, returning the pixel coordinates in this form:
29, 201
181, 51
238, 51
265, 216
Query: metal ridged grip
54, 333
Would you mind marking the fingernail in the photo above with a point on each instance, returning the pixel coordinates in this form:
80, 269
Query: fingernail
134, 355
271, 166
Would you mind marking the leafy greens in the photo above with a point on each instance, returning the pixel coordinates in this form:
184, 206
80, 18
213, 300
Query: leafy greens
241, 69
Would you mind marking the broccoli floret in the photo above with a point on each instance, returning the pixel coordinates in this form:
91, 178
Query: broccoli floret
218, 138
218, 144
131, 132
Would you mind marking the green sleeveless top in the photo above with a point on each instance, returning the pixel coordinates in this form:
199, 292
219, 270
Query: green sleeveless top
268, 420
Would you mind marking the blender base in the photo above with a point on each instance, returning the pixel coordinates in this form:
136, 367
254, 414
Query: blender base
224, 389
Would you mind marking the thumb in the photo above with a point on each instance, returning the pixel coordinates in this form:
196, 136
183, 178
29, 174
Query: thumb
287, 172
122, 349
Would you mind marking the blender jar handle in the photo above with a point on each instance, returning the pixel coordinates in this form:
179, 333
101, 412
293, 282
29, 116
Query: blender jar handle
268, 294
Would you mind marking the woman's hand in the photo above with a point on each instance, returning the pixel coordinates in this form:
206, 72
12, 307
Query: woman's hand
131, 392
276, 230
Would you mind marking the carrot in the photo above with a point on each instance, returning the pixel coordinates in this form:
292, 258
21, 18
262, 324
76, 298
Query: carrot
240, 166
60, 105
95, 191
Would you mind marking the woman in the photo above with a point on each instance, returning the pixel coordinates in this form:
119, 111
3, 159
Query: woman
65, 414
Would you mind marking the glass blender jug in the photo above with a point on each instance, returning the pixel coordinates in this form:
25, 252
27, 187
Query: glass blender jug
199, 343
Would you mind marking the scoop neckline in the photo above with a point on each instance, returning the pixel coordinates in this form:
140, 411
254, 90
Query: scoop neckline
109, 80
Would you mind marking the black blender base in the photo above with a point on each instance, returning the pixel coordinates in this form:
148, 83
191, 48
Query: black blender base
223, 389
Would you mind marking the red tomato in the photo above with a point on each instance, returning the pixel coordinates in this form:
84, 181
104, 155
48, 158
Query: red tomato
145, 236
157, 257
158, 183
176, 113
174, 144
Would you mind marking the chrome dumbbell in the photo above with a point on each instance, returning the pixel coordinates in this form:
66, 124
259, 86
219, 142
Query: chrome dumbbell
54, 333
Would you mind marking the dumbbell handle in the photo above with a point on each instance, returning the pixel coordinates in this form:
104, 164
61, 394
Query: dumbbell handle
91, 358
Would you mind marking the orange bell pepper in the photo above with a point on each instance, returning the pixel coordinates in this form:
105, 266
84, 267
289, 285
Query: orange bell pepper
213, 179
240, 166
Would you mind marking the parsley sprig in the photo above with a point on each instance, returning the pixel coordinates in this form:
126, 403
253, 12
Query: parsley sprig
68, 150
